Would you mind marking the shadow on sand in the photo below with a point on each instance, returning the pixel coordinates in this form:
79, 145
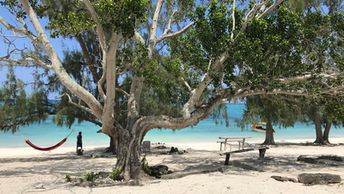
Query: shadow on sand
195, 162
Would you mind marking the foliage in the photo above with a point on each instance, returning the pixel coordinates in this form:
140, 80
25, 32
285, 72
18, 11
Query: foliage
116, 174
89, 176
284, 44
71, 17
328, 108
16, 108
145, 167
280, 110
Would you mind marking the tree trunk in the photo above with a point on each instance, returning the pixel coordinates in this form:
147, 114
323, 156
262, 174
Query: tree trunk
327, 132
113, 145
318, 131
128, 152
269, 134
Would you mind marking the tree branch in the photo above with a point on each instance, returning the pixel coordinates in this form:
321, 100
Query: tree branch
250, 15
307, 76
169, 35
14, 29
99, 27
134, 97
138, 38
100, 85
70, 101
247, 93
270, 9
153, 29
122, 91
186, 84
196, 93
163, 121
233, 19
109, 101
57, 66
27, 59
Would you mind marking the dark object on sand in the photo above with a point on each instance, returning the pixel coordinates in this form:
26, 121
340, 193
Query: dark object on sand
161, 147
284, 179
329, 160
159, 170
174, 150
79, 152
318, 178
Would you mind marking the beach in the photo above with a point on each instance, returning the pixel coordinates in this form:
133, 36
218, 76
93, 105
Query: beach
201, 170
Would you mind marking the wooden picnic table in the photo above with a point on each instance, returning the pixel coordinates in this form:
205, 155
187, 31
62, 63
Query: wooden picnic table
262, 149
224, 141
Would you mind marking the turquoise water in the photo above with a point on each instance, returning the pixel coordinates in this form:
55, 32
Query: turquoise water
47, 133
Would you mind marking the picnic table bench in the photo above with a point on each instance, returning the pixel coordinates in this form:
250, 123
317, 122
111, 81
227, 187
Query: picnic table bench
225, 141
262, 150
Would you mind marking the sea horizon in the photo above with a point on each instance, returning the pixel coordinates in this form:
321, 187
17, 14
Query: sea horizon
46, 133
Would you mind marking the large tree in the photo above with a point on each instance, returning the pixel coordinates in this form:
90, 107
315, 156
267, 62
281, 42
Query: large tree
168, 64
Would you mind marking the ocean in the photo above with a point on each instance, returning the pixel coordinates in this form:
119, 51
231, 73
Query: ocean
46, 133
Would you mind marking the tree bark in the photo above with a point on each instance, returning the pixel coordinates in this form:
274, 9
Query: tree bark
318, 131
327, 132
113, 145
128, 151
269, 134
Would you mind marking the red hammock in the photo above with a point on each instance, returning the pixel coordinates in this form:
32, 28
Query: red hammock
28, 142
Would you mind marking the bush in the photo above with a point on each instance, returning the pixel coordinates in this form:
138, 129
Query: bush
116, 174
145, 166
89, 176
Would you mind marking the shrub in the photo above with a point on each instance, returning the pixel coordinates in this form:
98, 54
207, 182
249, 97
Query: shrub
145, 166
89, 176
115, 174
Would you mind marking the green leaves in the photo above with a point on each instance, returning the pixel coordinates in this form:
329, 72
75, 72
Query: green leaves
16, 108
212, 28
280, 110
121, 16
70, 17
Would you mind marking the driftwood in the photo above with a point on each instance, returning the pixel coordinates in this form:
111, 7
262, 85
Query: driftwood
284, 179
180, 174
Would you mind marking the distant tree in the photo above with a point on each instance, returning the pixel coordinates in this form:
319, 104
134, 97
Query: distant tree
168, 64
324, 113
274, 110
16, 107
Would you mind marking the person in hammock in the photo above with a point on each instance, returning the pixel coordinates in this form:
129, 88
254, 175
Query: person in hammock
79, 144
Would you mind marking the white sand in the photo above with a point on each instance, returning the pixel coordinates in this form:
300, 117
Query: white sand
23, 170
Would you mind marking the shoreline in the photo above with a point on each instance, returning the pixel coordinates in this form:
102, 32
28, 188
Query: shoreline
12, 152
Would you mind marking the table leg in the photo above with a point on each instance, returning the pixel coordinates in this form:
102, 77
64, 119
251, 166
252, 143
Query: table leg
227, 159
262, 153
225, 146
